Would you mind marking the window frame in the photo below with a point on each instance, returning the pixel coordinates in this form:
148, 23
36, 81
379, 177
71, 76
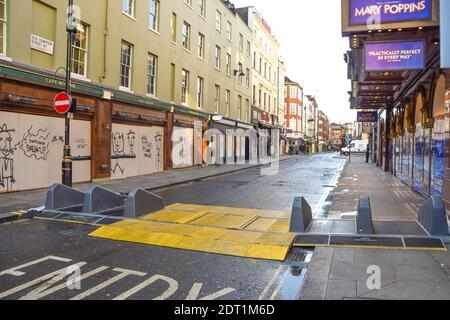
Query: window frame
130, 67
3, 21
85, 50
156, 15
201, 45
186, 39
217, 98
200, 92
184, 89
202, 8
218, 57
228, 64
133, 8
229, 30
218, 21
155, 75
228, 102
173, 27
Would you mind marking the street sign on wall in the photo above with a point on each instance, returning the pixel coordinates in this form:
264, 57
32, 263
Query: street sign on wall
367, 116
398, 55
384, 11
62, 103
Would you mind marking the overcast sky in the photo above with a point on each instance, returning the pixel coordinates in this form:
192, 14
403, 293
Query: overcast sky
312, 48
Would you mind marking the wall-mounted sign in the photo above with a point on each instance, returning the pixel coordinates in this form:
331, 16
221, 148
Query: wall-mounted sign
400, 55
367, 116
387, 11
41, 44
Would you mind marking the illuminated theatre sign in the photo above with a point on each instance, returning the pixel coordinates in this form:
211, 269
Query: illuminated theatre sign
392, 56
383, 11
364, 15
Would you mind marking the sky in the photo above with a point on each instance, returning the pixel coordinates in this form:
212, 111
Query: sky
312, 48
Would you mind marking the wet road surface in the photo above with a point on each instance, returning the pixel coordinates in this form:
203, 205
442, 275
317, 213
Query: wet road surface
35, 254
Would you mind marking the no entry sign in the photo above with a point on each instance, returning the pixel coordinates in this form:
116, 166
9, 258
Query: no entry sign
62, 103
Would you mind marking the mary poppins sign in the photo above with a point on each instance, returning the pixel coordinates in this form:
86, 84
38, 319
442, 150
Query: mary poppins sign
391, 56
388, 11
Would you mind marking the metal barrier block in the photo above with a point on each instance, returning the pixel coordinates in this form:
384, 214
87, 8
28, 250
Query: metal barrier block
141, 202
364, 223
301, 215
62, 197
100, 200
433, 218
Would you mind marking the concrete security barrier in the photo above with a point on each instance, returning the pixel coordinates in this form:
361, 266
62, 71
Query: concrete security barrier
364, 223
301, 215
142, 202
433, 218
102, 201
63, 198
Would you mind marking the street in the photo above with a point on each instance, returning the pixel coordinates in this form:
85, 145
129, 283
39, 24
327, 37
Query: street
38, 249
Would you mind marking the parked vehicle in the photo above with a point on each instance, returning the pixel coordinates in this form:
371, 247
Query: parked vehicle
356, 146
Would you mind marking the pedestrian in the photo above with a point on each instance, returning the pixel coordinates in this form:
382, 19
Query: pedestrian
367, 154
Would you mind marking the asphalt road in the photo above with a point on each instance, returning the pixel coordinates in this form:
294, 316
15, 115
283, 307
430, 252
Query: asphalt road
33, 252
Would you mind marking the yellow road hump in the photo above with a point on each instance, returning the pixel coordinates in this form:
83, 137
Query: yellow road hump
221, 230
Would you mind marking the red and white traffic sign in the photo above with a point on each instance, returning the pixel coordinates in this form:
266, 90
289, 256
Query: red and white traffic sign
62, 103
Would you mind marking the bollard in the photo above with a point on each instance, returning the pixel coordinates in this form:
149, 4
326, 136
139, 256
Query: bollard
301, 215
364, 223
142, 202
61, 197
433, 218
99, 200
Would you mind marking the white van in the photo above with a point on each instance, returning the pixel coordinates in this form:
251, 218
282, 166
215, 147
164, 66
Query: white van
356, 146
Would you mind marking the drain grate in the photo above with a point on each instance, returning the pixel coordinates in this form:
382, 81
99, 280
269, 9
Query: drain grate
299, 255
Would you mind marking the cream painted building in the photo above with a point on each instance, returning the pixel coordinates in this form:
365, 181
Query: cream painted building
194, 53
268, 70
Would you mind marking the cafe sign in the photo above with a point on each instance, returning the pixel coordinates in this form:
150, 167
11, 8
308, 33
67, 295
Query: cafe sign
394, 56
384, 11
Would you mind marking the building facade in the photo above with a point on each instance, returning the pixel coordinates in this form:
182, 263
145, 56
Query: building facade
412, 135
294, 116
311, 122
323, 131
147, 76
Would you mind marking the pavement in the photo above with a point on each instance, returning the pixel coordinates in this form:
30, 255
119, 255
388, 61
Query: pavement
343, 273
39, 254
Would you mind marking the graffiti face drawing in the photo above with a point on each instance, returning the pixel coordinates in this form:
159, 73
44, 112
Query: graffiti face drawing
5, 141
158, 145
6, 163
131, 138
118, 143
147, 147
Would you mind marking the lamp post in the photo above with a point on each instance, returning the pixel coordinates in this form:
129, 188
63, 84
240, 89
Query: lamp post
67, 160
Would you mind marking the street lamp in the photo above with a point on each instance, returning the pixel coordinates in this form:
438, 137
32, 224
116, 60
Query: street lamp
67, 159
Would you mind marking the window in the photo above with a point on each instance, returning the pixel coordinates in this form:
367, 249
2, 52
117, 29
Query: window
293, 109
254, 60
228, 102
128, 7
217, 98
229, 30
188, 2
241, 42
247, 78
173, 27
247, 109
200, 86
218, 55
265, 100
218, 21
239, 108
239, 75
254, 94
125, 65
152, 64
184, 86
260, 65
249, 49
201, 46
186, 36
79, 51
265, 70
293, 93
260, 97
154, 15
2, 27
202, 8
270, 73
228, 64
